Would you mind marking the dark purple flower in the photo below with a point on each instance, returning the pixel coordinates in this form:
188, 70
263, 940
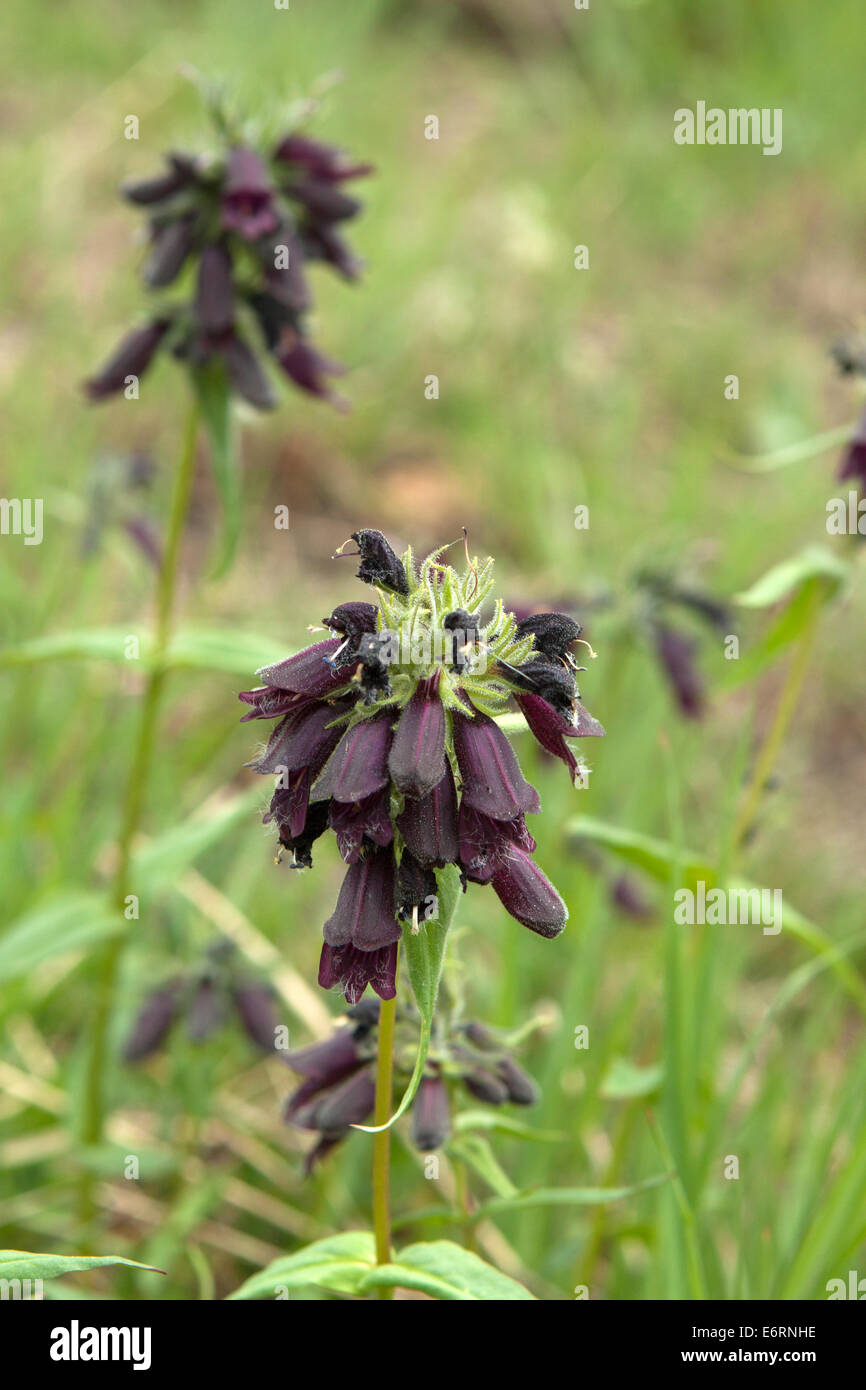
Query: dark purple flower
431, 1115
416, 889
207, 1010
630, 899
853, 463
308, 368
552, 728
153, 1022
322, 1065
171, 244
524, 891
485, 842
492, 780
359, 765
309, 672
131, 358
379, 565
247, 196
324, 201
417, 760
180, 174
299, 823
677, 656
521, 1088
246, 375
428, 824
352, 621
365, 913
320, 161
254, 1004
486, 1087
215, 294
301, 739
353, 970
325, 243
366, 820
552, 633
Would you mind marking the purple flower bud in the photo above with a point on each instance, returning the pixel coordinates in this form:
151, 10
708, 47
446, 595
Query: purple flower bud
170, 247
350, 1103
629, 898
282, 257
375, 676
353, 970
484, 842
365, 913
207, 1010
524, 891
325, 1063
550, 680
486, 1087
255, 1007
132, 357
153, 1022
492, 780
417, 760
308, 672
247, 196
677, 656
431, 1115
521, 1088
353, 822
359, 765
429, 824
215, 295
353, 621
379, 565
552, 728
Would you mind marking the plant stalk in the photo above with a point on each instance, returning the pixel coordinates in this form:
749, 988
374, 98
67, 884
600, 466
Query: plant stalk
136, 788
382, 1140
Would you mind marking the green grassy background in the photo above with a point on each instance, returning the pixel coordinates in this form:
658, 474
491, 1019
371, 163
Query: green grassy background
558, 387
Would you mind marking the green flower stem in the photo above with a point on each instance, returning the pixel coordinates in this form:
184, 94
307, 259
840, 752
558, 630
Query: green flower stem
94, 1087
798, 667
382, 1140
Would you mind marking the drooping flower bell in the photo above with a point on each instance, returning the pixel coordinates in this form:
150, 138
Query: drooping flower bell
338, 1089
234, 231
388, 735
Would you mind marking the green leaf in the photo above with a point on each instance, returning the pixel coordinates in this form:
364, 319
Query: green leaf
565, 1197
234, 650
789, 575
26, 1264
625, 1080
791, 453
166, 857
469, 1120
214, 397
71, 923
425, 954
446, 1271
99, 643
790, 623
657, 857
340, 1263
479, 1156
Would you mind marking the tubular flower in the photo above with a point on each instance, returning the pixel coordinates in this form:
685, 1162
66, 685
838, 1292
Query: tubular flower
337, 1088
238, 229
388, 736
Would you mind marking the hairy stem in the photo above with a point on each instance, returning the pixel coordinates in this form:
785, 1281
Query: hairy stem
136, 788
382, 1141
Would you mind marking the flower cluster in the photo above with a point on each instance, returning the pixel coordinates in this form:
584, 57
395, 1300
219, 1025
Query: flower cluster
240, 229
388, 736
205, 998
338, 1086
